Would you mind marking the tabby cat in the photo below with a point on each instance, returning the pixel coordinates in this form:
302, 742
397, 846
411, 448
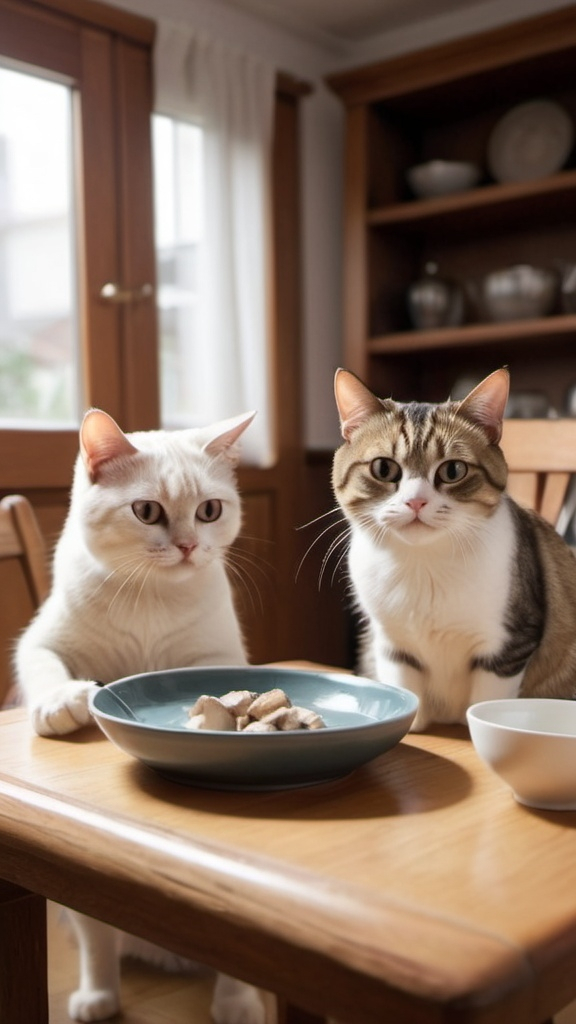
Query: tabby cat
466, 596
139, 583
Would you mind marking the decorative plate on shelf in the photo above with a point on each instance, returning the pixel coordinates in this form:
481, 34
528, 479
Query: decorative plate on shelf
531, 141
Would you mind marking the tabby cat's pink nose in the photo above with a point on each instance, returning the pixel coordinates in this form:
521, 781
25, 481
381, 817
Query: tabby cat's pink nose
186, 549
416, 504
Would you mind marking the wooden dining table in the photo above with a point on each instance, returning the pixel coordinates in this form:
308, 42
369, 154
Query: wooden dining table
415, 890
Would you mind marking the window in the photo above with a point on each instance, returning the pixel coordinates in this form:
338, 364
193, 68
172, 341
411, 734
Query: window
75, 214
39, 344
178, 193
221, 365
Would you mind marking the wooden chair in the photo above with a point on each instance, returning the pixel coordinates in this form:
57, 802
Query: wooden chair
541, 457
24, 581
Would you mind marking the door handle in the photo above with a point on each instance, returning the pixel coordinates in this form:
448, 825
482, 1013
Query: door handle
112, 292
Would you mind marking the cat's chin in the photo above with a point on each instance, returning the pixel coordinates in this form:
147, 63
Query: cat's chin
181, 566
416, 532
194, 563
175, 573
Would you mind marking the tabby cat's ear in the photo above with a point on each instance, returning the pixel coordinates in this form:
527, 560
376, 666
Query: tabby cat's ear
100, 441
355, 402
227, 434
486, 404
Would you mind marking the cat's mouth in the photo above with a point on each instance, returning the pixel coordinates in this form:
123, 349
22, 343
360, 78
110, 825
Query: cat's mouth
419, 533
415, 529
417, 521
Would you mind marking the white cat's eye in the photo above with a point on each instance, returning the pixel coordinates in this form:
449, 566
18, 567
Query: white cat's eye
385, 470
148, 512
452, 471
209, 511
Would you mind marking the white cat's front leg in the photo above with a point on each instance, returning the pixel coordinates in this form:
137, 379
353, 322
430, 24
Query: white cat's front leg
98, 994
57, 704
64, 709
235, 1002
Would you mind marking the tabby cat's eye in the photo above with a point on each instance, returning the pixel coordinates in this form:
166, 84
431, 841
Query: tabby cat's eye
452, 471
385, 470
209, 511
148, 512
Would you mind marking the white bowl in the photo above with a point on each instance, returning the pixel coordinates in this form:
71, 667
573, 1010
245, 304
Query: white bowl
530, 742
442, 177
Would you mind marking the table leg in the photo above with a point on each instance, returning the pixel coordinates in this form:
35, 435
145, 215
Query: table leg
23, 959
288, 1013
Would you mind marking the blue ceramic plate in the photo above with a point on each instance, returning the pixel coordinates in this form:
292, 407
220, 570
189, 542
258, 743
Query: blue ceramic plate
363, 719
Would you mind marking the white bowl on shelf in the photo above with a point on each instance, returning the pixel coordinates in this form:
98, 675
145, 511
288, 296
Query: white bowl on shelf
442, 177
530, 743
520, 292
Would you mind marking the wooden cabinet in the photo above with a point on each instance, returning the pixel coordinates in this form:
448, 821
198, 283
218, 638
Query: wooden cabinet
444, 102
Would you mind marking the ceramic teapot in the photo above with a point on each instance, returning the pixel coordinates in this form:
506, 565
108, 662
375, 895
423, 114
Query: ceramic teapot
435, 301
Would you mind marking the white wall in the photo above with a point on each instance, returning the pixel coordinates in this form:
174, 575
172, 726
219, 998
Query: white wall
312, 58
471, 18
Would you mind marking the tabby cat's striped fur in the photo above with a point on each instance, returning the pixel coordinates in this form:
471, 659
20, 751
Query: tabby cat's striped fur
466, 596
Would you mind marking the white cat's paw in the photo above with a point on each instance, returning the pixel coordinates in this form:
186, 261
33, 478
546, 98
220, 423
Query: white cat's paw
93, 1004
234, 1002
63, 710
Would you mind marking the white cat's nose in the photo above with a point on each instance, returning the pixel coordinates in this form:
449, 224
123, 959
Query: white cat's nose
186, 549
416, 504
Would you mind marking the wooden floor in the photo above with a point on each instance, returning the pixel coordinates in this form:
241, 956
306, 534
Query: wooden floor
149, 996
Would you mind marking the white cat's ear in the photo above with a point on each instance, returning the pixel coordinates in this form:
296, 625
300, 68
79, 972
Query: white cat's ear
355, 402
100, 441
227, 433
486, 403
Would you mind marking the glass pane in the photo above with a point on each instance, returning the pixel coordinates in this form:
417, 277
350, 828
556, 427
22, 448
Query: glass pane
178, 213
38, 294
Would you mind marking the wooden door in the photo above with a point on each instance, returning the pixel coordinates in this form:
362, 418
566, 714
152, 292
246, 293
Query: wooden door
107, 66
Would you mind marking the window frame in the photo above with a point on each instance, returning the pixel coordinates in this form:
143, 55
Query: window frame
106, 56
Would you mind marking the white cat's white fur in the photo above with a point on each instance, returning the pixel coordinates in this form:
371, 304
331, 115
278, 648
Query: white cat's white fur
131, 596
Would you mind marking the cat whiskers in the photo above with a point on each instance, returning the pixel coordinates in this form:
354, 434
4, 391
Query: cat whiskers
140, 572
463, 543
335, 543
376, 528
243, 565
123, 563
341, 541
149, 568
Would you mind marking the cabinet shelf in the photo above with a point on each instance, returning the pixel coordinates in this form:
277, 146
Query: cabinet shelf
516, 331
444, 102
554, 196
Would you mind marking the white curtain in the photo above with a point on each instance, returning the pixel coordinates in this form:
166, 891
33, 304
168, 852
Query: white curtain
231, 96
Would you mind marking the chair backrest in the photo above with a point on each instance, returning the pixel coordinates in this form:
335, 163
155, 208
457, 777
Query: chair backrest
24, 577
541, 457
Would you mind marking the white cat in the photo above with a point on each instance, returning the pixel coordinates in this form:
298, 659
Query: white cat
139, 583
